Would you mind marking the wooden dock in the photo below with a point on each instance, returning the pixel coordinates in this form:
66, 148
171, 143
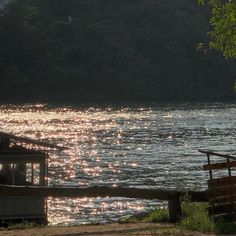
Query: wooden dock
174, 197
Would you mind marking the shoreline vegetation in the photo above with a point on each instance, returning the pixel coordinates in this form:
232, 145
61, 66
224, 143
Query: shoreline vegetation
195, 217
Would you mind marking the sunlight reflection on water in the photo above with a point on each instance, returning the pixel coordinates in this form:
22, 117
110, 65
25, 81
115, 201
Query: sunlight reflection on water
151, 147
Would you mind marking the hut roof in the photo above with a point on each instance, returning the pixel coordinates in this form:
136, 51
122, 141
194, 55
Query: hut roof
31, 141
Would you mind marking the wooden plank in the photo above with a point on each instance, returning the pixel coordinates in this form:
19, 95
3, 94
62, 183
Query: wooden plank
223, 199
218, 166
208, 152
101, 191
222, 208
220, 192
224, 181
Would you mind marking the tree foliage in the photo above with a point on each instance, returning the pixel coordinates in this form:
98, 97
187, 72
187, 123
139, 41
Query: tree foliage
109, 50
223, 21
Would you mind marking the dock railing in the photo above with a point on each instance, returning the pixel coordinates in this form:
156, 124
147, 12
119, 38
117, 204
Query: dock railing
174, 197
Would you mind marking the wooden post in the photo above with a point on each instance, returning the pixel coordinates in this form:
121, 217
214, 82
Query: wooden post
229, 169
209, 162
4, 142
175, 210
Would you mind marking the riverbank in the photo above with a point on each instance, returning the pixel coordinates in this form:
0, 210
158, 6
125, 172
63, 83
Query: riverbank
115, 229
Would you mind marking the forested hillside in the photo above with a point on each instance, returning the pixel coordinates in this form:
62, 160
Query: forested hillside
109, 50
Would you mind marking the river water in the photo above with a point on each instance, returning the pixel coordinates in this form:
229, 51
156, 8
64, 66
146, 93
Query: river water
142, 146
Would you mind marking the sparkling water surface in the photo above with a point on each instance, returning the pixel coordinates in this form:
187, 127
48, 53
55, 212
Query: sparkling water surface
153, 146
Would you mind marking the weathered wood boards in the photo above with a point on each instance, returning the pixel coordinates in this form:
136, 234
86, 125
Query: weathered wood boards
218, 166
222, 191
223, 209
100, 191
223, 181
222, 197
212, 153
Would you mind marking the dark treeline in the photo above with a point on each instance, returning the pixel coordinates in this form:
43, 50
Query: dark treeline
109, 50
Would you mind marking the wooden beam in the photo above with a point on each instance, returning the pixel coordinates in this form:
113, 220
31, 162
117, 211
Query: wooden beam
224, 181
101, 191
222, 209
222, 200
208, 152
22, 158
172, 196
218, 166
222, 191
31, 141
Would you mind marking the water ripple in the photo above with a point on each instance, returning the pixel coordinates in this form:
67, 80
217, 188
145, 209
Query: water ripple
150, 147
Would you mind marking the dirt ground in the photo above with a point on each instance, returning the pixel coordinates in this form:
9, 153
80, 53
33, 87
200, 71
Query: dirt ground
134, 229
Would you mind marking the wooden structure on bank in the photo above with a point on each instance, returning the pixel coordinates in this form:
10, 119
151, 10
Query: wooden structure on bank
22, 166
24, 190
221, 189
174, 197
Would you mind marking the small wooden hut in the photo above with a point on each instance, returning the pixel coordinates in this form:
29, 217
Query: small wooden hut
24, 166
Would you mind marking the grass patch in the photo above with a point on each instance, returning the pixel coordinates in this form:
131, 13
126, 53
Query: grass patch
129, 219
196, 218
22, 225
157, 215
167, 231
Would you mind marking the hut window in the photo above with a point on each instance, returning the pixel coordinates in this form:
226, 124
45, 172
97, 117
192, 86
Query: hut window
19, 174
36, 174
6, 174
33, 173
28, 173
